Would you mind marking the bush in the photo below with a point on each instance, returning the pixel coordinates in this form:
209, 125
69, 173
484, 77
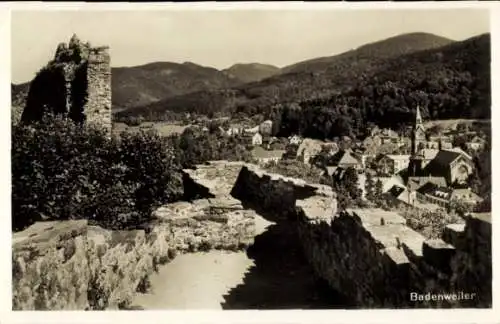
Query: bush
61, 170
429, 223
195, 146
133, 121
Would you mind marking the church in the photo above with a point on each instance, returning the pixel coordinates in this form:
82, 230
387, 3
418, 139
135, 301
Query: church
432, 172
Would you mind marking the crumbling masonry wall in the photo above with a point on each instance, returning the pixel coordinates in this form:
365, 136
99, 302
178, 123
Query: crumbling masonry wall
275, 196
76, 84
371, 255
98, 106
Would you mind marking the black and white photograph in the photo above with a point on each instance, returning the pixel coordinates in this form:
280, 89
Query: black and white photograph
248, 159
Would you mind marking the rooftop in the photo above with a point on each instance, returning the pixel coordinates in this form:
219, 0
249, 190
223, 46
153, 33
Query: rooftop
416, 182
260, 153
399, 157
437, 191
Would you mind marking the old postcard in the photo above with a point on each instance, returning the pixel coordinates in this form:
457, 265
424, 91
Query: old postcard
251, 158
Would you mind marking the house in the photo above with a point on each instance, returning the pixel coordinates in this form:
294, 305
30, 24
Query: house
454, 165
401, 194
366, 160
388, 136
346, 159
257, 139
392, 164
252, 130
373, 140
330, 148
414, 183
444, 196
389, 182
264, 156
295, 139
434, 194
252, 138
466, 196
440, 138
266, 127
475, 144
374, 130
234, 131
308, 149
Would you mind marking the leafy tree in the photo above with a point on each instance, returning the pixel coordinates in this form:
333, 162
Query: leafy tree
370, 187
350, 182
430, 223
379, 190
296, 169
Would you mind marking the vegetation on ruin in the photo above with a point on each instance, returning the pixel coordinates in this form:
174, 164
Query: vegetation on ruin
295, 169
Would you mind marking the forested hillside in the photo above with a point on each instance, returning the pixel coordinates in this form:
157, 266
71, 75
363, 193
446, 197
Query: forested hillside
450, 82
390, 47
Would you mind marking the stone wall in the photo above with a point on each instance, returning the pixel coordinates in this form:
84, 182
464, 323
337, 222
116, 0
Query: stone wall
274, 196
373, 257
70, 265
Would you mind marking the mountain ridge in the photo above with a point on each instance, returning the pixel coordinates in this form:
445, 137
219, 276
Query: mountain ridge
251, 72
332, 79
385, 48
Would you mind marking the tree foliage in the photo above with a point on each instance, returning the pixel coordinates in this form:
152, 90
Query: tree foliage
61, 170
196, 146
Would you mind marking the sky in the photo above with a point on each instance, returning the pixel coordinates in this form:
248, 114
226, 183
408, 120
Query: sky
222, 38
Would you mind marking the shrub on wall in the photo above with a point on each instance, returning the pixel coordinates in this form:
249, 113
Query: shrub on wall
61, 170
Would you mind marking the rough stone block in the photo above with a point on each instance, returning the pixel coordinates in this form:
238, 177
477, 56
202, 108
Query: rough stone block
454, 234
396, 255
438, 253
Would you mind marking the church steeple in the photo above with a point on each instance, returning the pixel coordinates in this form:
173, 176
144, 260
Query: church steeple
418, 135
418, 118
418, 142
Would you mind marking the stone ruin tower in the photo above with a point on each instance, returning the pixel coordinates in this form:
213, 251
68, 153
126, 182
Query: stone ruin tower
98, 105
76, 83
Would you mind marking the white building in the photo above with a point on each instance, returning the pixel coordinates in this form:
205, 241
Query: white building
295, 139
257, 139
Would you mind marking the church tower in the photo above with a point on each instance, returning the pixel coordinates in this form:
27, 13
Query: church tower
418, 141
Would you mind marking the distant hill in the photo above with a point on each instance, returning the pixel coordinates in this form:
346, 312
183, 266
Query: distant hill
141, 85
349, 74
251, 72
387, 48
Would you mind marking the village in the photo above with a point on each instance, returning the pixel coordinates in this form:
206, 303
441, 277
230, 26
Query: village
421, 168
